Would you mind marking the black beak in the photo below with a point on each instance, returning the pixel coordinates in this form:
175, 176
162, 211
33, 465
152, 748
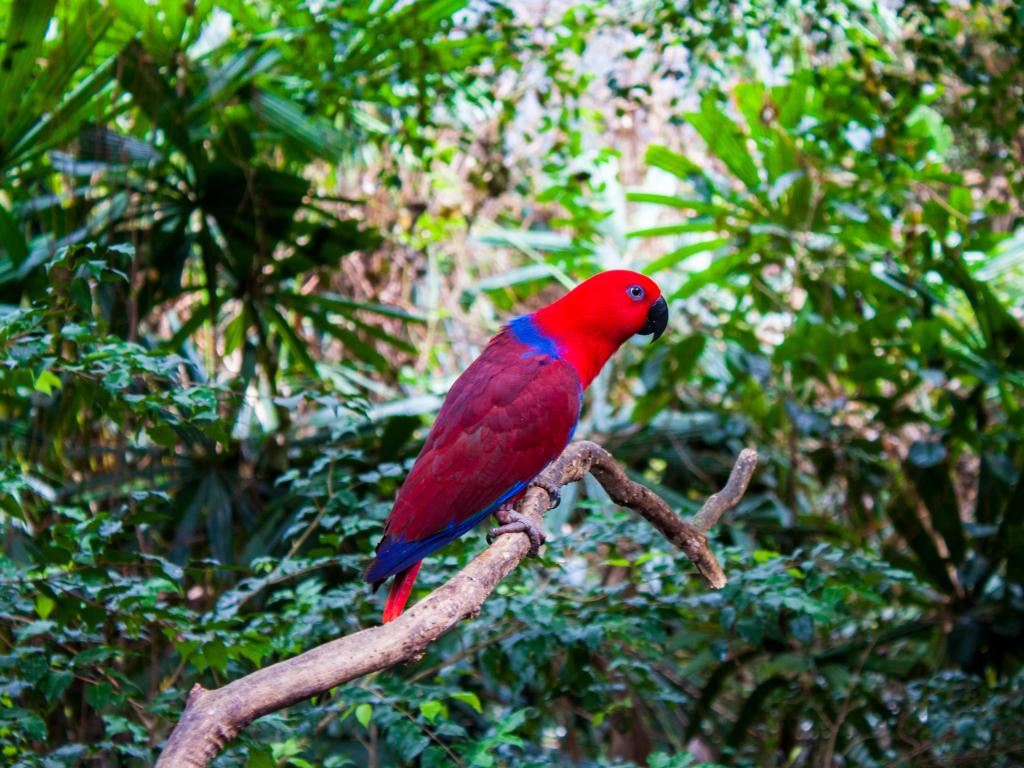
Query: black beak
657, 319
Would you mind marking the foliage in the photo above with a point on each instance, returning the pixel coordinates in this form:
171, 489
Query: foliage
888, 333
236, 274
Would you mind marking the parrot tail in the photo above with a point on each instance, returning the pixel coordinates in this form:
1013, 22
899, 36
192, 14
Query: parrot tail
400, 590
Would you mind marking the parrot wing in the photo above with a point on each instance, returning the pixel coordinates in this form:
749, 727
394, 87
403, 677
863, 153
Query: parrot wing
507, 416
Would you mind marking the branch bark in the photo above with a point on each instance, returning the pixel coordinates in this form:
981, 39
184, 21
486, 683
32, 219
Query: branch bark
212, 718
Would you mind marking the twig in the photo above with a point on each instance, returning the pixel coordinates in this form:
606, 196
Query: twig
212, 718
844, 710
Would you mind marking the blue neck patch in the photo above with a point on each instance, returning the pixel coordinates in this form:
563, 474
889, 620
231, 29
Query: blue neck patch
528, 334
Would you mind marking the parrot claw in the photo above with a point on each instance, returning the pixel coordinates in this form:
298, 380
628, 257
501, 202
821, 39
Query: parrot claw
513, 522
554, 491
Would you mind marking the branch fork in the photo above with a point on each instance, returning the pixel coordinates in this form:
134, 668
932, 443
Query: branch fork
212, 718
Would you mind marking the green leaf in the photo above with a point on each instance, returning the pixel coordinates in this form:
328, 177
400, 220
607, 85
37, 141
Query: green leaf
681, 254
1007, 258
343, 306
699, 207
163, 435
46, 382
778, 155
926, 122
216, 655
467, 697
99, 695
363, 714
27, 23
261, 756
60, 125
433, 12
29, 722
725, 141
675, 229
44, 605
678, 165
716, 273
234, 334
433, 709
11, 238
314, 134
291, 340
791, 98
349, 339
55, 683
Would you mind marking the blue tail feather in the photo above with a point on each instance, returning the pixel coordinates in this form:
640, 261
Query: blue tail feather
395, 556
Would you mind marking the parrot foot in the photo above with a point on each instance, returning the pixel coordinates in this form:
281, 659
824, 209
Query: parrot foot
514, 522
554, 492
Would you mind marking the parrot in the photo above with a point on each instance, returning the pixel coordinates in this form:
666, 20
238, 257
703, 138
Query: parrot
507, 416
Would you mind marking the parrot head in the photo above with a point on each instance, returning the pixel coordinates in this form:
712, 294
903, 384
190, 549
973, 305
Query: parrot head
596, 317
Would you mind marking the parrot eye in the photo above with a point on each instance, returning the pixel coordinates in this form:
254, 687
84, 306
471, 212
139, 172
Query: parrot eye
635, 292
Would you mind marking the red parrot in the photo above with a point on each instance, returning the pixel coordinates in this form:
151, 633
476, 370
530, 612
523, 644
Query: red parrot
509, 415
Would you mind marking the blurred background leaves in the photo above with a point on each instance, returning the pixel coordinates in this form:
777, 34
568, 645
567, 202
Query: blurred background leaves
246, 247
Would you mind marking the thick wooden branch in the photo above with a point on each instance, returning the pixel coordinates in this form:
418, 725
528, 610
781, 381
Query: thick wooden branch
212, 718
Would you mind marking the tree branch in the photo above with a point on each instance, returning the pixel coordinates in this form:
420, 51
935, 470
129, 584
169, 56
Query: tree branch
212, 718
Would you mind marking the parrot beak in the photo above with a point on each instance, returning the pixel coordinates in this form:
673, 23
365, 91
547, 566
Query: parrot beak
657, 319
